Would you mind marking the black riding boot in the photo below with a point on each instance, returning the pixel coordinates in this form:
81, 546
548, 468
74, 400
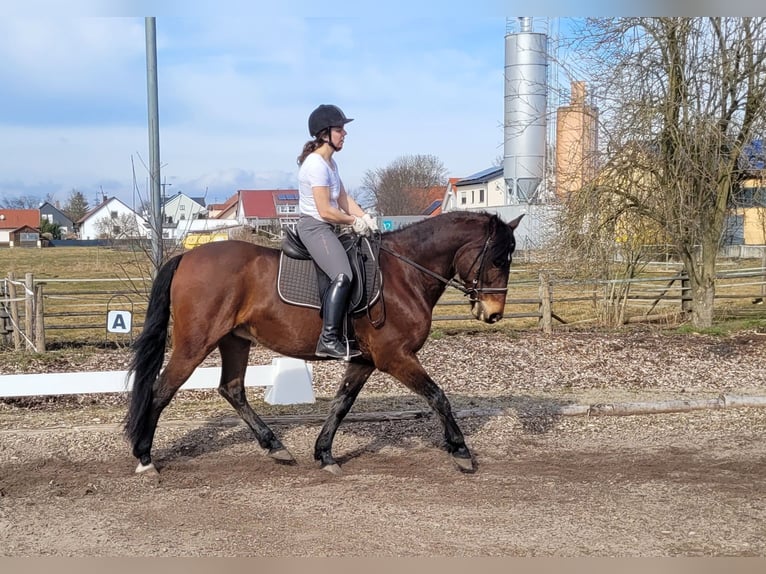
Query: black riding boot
331, 342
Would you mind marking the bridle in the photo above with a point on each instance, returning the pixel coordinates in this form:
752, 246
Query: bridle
472, 290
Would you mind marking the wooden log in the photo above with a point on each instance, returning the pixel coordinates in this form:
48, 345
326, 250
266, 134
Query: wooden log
599, 409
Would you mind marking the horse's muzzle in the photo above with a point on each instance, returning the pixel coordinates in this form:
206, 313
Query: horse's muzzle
483, 312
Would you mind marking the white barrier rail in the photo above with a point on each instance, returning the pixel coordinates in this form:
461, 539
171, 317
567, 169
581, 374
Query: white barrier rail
287, 381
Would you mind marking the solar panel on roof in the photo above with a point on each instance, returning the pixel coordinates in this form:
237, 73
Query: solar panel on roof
287, 196
482, 173
431, 208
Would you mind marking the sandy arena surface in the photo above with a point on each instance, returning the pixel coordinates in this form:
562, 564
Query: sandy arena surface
675, 484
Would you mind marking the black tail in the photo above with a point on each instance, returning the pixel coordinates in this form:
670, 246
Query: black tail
149, 351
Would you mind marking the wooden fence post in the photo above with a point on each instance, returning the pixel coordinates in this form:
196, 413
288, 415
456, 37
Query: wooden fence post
546, 321
29, 309
14, 309
686, 293
39, 319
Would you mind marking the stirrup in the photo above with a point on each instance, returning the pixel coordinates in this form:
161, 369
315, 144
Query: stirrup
336, 350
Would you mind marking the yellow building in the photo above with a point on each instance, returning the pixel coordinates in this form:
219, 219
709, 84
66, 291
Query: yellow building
754, 218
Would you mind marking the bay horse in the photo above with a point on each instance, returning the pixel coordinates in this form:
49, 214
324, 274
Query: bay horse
224, 295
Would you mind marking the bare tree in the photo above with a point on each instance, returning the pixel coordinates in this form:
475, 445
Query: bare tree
690, 94
403, 187
124, 226
24, 201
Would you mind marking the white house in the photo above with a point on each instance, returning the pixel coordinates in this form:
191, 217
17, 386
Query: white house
179, 212
480, 190
114, 220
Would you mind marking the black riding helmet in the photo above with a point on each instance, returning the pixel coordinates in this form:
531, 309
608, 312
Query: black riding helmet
326, 116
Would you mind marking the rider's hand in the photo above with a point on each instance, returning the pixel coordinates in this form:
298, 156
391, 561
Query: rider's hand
371, 223
360, 226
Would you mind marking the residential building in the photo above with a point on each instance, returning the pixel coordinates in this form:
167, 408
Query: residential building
112, 220
182, 208
483, 189
225, 210
13, 220
52, 214
268, 210
179, 212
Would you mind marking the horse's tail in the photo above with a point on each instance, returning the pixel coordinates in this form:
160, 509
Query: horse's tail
149, 351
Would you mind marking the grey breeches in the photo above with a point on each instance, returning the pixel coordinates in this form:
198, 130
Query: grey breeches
324, 246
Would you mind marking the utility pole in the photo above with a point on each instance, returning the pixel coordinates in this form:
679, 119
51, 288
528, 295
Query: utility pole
154, 141
164, 193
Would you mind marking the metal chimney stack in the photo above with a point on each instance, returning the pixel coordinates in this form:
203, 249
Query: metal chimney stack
526, 99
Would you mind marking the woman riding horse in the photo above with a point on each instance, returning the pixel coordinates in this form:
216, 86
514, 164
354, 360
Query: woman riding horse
323, 204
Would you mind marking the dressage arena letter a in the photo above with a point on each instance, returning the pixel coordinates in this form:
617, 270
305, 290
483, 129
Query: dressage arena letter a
118, 321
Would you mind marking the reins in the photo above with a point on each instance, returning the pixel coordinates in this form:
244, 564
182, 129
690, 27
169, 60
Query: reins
471, 291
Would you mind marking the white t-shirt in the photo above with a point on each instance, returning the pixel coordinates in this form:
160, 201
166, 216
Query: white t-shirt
316, 172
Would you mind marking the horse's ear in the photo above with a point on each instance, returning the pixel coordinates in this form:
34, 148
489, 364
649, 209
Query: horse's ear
514, 223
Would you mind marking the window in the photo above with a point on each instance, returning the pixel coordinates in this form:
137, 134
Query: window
113, 214
182, 207
481, 195
473, 196
462, 197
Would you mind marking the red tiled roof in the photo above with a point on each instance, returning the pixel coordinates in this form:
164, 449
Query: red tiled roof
15, 218
262, 202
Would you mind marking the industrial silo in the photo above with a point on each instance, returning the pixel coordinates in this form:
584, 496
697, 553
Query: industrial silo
526, 93
576, 142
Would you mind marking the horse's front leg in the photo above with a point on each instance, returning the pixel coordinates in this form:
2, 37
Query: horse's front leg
353, 380
410, 372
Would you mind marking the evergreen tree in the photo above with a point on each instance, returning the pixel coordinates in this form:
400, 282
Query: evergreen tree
76, 205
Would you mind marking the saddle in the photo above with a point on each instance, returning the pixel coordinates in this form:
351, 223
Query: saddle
301, 282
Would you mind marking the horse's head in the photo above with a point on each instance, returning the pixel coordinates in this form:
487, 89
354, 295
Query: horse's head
483, 267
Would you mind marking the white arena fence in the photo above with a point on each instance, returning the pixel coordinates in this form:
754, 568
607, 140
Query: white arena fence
286, 381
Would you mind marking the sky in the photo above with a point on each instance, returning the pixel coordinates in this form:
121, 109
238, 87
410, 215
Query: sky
236, 85
234, 98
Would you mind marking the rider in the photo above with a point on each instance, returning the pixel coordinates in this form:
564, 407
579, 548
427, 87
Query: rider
323, 204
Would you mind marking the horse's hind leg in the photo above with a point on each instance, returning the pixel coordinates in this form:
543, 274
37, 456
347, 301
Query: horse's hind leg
175, 373
353, 381
234, 357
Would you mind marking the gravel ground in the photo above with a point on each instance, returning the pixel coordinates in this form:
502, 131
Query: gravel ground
674, 484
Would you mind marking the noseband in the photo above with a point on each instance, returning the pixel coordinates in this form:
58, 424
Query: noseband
471, 291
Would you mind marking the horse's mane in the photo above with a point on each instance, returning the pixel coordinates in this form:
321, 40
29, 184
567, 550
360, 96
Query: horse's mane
421, 231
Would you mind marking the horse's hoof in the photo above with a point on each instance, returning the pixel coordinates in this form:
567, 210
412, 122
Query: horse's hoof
464, 464
333, 469
282, 455
147, 469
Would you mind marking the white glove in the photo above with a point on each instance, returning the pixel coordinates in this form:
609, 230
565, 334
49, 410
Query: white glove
371, 223
360, 226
